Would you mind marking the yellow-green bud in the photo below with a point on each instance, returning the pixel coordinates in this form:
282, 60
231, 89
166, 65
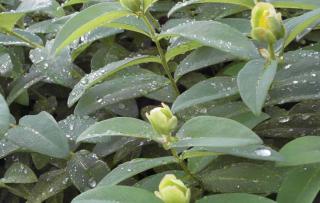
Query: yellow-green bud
267, 25
162, 120
173, 190
132, 5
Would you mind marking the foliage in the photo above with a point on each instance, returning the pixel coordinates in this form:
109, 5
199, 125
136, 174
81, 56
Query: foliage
81, 83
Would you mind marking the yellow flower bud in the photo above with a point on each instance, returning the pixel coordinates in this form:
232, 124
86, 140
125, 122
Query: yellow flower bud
173, 190
132, 5
162, 120
267, 25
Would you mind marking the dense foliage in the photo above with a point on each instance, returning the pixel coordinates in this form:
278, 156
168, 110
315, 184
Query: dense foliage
86, 85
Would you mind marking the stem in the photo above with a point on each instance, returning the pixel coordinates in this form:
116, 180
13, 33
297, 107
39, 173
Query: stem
34, 45
185, 167
271, 51
161, 53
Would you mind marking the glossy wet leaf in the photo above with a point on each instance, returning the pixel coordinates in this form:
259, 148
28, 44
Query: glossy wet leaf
298, 4
201, 58
7, 147
16, 41
119, 194
48, 185
128, 86
40, 133
300, 185
243, 177
213, 131
217, 35
86, 21
73, 126
103, 73
4, 115
304, 150
180, 5
254, 81
204, 91
235, 198
103, 130
19, 173
296, 25
133, 167
20, 85
86, 170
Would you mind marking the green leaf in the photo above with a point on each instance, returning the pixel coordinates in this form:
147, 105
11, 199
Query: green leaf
296, 25
16, 41
20, 85
242, 177
48, 185
234, 198
213, 131
4, 115
200, 58
217, 35
73, 126
304, 150
258, 152
40, 133
137, 83
207, 90
7, 148
298, 4
133, 167
87, 20
19, 173
119, 194
180, 46
72, 2
254, 81
103, 130
180, 5
100, 75
151, 183
131, 23
9, 19
300, 185
86, 170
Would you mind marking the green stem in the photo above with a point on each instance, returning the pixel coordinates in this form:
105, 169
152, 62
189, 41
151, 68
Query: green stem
185, 168
34, 45
161, 53
271, 51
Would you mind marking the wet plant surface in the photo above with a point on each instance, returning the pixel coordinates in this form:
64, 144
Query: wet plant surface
139, 101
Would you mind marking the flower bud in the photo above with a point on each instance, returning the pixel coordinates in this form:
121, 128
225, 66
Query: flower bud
267, 25
132, 5
162, 120
172, 190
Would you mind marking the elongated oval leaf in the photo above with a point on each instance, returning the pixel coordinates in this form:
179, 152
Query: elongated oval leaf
296, 25
304, 150
9, 19
40, 133
254, 81
4, 115
133, 167
19, 173
180, 5
235, 198
301, 185
122, 126
87, 20
207, 90
213, 131
217, 35
101, 74
119, 194
298, 4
